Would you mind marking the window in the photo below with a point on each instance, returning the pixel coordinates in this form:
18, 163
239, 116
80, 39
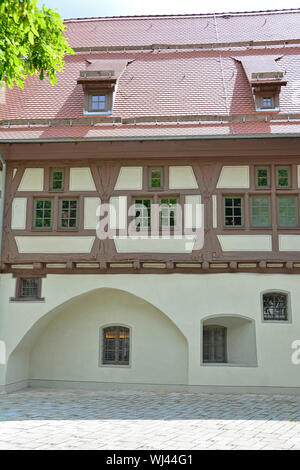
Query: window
56, 179
143, 213
68, 213
99, 102
283, 177
115, 345
275, 306
168, 212
287, 211
267, 102
42, 213
260, 211
262, 177
214, 343
155, 177
233, 211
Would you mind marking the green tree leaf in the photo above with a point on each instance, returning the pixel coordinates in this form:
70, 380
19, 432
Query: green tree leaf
31, 42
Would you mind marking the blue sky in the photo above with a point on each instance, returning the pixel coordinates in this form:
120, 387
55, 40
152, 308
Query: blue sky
88, 8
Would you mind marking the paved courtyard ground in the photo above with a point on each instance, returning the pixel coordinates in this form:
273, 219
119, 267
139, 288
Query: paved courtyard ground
69, 419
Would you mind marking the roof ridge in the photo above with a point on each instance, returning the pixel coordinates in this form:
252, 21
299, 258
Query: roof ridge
184, 15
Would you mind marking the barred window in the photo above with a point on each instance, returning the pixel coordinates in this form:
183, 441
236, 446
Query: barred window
68, 213
116, 345
214, 343
29, 288
275, 306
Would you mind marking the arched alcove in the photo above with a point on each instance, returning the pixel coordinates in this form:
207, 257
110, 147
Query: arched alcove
65, 345
240, 344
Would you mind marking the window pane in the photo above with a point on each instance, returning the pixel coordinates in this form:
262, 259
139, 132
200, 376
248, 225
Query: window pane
69, 212
168, 214
287, 211
275, 306
262, 177
283, 177
43, 213
233, 212
29, 288
57, 179
143, 213
214, 344
260, 211
156, 175
116, 345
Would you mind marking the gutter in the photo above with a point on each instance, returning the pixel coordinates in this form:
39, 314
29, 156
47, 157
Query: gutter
157, 138
2, 202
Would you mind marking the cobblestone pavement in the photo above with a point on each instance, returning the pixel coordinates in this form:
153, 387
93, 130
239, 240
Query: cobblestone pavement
69, 419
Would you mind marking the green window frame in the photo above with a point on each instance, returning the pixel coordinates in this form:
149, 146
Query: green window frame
287, 211
260, 211
43, 213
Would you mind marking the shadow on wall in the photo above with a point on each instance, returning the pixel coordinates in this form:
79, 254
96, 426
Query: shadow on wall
65, 344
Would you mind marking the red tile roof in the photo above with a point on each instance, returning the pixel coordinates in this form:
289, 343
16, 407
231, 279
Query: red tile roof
164, 82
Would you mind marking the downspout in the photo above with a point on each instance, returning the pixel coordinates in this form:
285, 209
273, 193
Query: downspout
2, 203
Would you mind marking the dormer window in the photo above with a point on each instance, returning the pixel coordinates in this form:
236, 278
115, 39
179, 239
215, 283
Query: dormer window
99, 102
265, 78
99, 81
268, 102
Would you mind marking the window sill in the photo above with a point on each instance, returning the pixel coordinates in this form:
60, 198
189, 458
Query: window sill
29, 299
225, 364
97, 113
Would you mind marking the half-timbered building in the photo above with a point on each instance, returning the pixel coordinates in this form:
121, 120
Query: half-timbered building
197, 116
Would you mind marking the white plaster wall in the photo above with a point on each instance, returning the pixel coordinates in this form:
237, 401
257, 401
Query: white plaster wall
289, 242
19, 211
130, 177
81, 179
156, 344
186, 300
118, 212
32, 180
245, 242
193, 211
182, 177
53, 244
90, 207
155, 244
234, 177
